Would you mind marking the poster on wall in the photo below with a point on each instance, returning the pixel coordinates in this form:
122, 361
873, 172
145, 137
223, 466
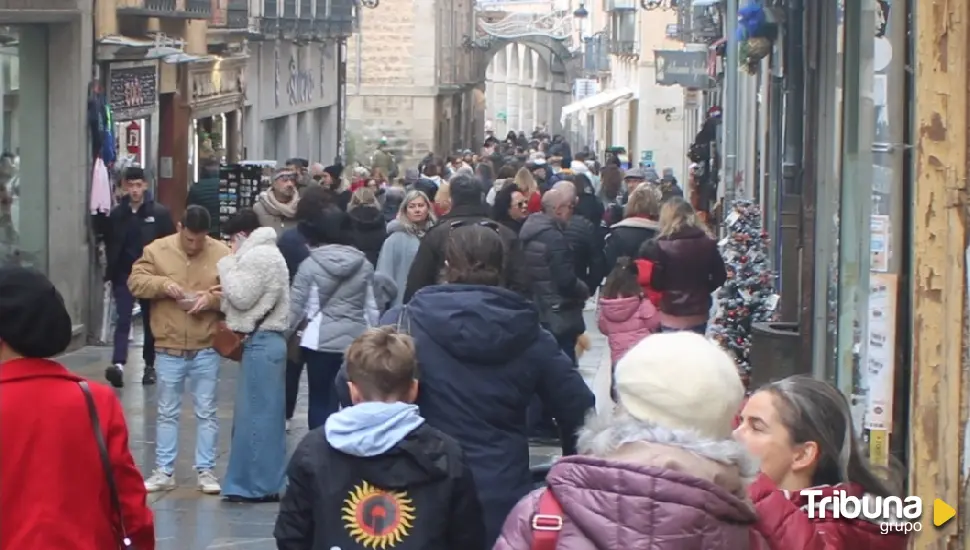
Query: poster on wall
880, 352
880, 238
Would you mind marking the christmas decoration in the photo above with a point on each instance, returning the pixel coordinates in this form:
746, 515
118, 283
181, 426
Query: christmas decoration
756, 33
747, 296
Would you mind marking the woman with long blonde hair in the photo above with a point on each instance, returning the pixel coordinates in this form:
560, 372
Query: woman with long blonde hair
414, 218
525, 181
687, 268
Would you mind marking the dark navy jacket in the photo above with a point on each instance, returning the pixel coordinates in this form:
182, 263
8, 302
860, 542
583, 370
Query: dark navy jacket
294, 248
482, 358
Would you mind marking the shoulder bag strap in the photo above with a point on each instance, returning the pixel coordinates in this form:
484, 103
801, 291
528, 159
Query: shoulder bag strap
547, 522
105, 461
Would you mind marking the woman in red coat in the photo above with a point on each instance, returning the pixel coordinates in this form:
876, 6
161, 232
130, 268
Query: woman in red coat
801, 430
54, 494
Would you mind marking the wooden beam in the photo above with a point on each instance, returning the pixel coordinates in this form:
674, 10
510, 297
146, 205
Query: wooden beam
940, 376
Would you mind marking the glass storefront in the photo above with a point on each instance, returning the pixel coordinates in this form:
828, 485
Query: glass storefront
24, 133
862, 250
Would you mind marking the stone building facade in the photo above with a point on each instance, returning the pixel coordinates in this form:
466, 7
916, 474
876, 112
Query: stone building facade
410, 78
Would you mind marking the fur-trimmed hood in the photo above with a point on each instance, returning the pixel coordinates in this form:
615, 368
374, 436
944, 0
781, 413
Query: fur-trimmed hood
615, 435
639, 486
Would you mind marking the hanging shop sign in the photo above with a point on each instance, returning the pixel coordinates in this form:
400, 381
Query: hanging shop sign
132, 91
682, 68
215, 88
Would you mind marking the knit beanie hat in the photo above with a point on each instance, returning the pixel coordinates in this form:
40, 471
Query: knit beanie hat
33, 318
680, 381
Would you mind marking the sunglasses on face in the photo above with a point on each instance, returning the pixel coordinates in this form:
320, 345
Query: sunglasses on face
522, 204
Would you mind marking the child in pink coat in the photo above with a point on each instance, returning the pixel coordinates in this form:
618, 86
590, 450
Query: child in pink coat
625, 315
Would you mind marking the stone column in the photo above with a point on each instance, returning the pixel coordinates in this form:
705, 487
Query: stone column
528, 111
29, 133
512, 105
559, 100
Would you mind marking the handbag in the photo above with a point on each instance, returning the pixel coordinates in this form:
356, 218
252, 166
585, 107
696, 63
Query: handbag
229, 343
125, 541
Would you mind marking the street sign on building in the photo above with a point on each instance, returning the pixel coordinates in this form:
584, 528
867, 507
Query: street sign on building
682, 68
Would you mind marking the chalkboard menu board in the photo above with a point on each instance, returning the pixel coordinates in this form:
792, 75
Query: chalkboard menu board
132, 92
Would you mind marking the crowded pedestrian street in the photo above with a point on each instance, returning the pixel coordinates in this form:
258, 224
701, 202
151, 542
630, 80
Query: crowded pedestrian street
186, 519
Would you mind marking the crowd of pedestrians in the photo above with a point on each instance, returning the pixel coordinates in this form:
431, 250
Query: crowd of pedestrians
438, 317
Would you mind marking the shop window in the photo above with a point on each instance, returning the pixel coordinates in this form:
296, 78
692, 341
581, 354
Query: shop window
23, 159
864, 252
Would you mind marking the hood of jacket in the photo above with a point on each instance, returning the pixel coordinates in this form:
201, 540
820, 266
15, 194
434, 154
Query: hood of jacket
367, 217
639, 485
474, 323
618, 310
371, 428
418, 457
264, 236
536, 224
638, 222
338, 260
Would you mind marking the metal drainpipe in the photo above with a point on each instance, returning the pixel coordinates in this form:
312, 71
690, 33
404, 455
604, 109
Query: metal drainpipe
730, 106
342, 97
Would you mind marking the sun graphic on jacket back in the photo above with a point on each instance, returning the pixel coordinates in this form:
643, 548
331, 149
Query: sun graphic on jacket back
376, 518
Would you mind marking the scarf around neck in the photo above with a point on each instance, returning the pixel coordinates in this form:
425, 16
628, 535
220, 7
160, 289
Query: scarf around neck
286, 210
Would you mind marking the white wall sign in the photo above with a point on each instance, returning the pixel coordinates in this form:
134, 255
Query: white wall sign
295, 78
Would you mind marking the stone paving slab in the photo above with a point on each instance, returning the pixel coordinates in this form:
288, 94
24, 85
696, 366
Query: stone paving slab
185, 519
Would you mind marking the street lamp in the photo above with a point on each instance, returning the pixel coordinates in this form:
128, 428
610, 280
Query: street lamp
581, 12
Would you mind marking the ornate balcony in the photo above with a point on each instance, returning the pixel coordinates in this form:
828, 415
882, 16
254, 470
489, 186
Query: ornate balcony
178, 9
624, 48
304, 27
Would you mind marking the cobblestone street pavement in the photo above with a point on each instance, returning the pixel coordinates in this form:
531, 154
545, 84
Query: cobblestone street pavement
185, 519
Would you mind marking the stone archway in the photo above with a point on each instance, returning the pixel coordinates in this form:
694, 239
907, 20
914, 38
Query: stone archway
562, 63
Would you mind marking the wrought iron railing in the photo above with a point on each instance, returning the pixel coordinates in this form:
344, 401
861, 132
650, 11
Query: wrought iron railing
160, 5
624, 47
237, 14
200, 9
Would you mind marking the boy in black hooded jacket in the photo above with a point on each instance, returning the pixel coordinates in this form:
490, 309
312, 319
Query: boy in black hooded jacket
376, 475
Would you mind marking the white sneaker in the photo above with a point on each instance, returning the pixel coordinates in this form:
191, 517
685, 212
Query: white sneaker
209, 483
159, 481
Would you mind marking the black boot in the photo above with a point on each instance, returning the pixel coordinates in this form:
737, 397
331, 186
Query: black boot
148, 378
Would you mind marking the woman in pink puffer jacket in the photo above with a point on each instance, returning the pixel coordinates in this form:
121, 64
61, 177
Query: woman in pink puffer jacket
625, 315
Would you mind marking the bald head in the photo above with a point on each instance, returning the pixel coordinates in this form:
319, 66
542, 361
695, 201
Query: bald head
558, 201
316, 169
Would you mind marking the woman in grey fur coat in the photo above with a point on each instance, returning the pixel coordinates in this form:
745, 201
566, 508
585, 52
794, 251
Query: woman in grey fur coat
255, 299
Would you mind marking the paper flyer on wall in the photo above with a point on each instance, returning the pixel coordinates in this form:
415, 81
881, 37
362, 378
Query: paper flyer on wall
880, 352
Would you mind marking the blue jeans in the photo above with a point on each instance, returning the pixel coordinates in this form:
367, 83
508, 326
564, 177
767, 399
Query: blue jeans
202, 373
257, 453
699, 329
321, 371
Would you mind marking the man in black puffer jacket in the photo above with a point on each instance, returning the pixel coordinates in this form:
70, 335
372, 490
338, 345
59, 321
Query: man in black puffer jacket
558, 293
467, 207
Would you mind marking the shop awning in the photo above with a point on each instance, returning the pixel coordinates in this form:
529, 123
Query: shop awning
606, 99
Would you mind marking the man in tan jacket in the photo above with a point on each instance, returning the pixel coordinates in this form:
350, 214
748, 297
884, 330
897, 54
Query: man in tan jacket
178, 274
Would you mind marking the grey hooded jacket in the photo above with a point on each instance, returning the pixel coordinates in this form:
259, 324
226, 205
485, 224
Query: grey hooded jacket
344, 280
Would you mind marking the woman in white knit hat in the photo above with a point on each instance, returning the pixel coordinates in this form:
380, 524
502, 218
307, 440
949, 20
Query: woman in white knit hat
661, 471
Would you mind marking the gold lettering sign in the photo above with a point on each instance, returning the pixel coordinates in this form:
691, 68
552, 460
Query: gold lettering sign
216, 83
